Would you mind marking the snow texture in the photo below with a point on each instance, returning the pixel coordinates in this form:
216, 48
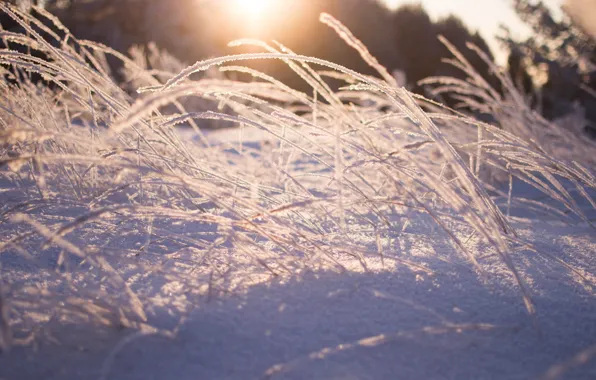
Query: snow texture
423, 314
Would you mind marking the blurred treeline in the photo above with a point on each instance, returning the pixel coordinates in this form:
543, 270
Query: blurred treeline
554, 68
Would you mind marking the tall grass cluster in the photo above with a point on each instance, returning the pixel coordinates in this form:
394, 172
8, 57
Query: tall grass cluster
102, 192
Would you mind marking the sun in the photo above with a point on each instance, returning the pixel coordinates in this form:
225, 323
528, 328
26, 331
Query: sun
253, 7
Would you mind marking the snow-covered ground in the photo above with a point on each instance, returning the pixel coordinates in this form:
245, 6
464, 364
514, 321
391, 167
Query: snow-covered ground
420, 312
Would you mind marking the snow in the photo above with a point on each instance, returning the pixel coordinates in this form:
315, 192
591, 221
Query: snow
421, 312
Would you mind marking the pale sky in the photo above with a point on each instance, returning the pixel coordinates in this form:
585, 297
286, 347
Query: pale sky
482, 15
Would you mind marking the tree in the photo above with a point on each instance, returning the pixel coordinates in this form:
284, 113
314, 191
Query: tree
561, 51
196, 29
422, 53
454, 30
416, 42
296, 24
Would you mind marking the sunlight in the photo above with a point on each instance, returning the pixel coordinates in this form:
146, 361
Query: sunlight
252, 8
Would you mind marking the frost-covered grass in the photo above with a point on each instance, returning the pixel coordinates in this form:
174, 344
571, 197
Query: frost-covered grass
111, 213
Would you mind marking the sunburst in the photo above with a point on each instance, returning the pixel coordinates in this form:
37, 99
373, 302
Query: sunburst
253, 8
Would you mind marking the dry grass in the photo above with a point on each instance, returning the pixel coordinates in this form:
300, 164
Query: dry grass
104, 190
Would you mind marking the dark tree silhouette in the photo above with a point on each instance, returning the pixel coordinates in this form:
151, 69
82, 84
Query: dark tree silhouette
191, 30
454, 30
518, 72
296, 25
567, 53
416, 43
422, 54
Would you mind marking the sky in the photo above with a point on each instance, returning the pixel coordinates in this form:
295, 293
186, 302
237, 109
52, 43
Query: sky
482, 15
